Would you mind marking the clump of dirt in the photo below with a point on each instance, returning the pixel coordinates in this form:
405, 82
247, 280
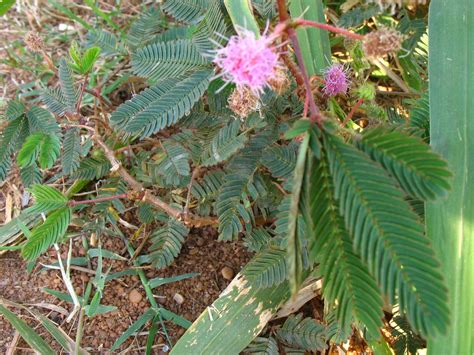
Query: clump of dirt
201, 253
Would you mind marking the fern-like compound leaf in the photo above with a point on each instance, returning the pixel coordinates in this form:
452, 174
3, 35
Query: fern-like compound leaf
225, 143
55, 101
145, 28
419, 171
188, 11
41, 120
267, 268
47, 198
230, 208
71, 151
170, 59
15, 109
263, 346
92, 168
280, 160
420, 115
166, 244
41, 146
67, 85
160, 106
175, 165
305, 333
257, 239
347, 284
388, 236
46, 234
31, 175
11, 137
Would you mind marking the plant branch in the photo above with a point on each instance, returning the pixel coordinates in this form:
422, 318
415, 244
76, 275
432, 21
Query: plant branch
351, 114
147, 195
324, 26
97, 200
315, 116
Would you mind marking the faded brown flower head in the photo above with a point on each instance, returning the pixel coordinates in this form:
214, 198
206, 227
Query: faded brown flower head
381, 42
279, 82
243, 102
34, 42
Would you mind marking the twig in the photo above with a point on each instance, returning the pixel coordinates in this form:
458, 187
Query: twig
190, 185
147, 195
353, 110
323, 26
81, 94
96, 200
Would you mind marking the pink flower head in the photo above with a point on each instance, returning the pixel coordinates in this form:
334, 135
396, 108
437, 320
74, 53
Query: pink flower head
248, 61
335, 80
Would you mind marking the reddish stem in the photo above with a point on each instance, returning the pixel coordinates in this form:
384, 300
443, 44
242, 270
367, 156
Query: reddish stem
96, 200
351, 114
324, 26
283, 14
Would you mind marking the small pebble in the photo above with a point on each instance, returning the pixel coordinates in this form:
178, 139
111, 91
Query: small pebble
227, 273
178, 298
134, 296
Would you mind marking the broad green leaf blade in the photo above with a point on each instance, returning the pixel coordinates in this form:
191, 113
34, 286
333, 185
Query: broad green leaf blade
27, 333
48, 233
450, 222
241, 15
314, 43
234, 319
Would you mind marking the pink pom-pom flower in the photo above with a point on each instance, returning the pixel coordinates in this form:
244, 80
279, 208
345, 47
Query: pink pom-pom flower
335, 80
248, 61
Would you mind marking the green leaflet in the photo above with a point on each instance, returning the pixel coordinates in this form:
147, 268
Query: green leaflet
189, 11
302, 333
449, 222
46, 234
225, 143
166, 244
170, 59
419, 171
347, 281
160, 106
41, 146
47, 199
71, 155
388, 236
